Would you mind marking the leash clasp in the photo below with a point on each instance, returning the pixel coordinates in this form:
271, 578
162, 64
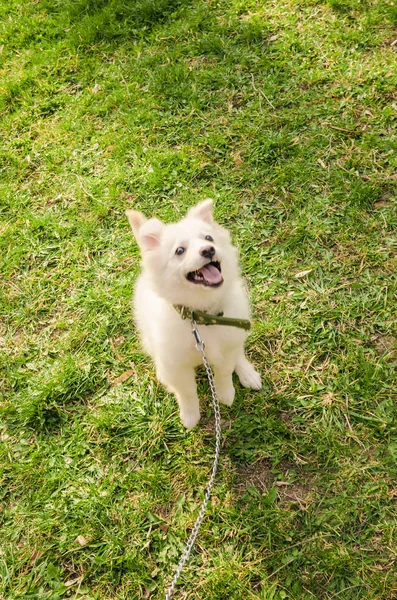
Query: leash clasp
197, 337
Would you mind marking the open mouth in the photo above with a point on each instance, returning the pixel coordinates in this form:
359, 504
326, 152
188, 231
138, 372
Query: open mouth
210, 275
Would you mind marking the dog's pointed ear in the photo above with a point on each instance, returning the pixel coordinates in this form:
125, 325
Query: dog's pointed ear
150, 234
147, 232
203, 211
136, 220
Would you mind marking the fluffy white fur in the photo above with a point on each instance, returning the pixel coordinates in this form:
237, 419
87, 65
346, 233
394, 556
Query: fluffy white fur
162, 283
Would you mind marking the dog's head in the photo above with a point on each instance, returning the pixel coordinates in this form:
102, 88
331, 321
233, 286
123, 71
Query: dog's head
191, 262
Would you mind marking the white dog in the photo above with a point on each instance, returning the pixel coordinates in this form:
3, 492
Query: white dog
191, 263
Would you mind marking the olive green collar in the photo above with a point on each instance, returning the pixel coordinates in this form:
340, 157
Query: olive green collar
203, 318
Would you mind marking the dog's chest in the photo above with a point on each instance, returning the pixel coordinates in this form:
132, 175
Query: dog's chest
219, 341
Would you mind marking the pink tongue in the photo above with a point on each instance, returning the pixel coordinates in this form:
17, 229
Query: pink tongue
211, 274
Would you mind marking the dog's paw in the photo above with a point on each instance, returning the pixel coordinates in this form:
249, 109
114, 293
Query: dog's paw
226, 395
190, 419
249, 377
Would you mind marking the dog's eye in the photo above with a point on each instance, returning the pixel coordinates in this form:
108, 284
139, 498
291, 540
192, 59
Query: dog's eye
179, 250
209, 238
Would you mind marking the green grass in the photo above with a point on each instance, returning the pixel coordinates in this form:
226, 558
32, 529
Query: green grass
285, 112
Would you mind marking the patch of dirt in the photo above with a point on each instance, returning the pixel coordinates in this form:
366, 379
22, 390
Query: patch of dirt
385, 343
299, 491
295, 493
163, 512
207, 424
260, 476
286, 418
390, 41
257, 475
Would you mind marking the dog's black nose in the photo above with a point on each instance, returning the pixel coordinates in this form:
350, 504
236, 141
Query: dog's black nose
208, 252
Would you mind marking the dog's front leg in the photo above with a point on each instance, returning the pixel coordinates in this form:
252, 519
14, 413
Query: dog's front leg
181, 381
248, 375
223, 378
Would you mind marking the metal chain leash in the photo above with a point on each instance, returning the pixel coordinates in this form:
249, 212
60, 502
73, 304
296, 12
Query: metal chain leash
192, 538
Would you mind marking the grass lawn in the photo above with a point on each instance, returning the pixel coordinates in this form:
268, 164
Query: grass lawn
285, 112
